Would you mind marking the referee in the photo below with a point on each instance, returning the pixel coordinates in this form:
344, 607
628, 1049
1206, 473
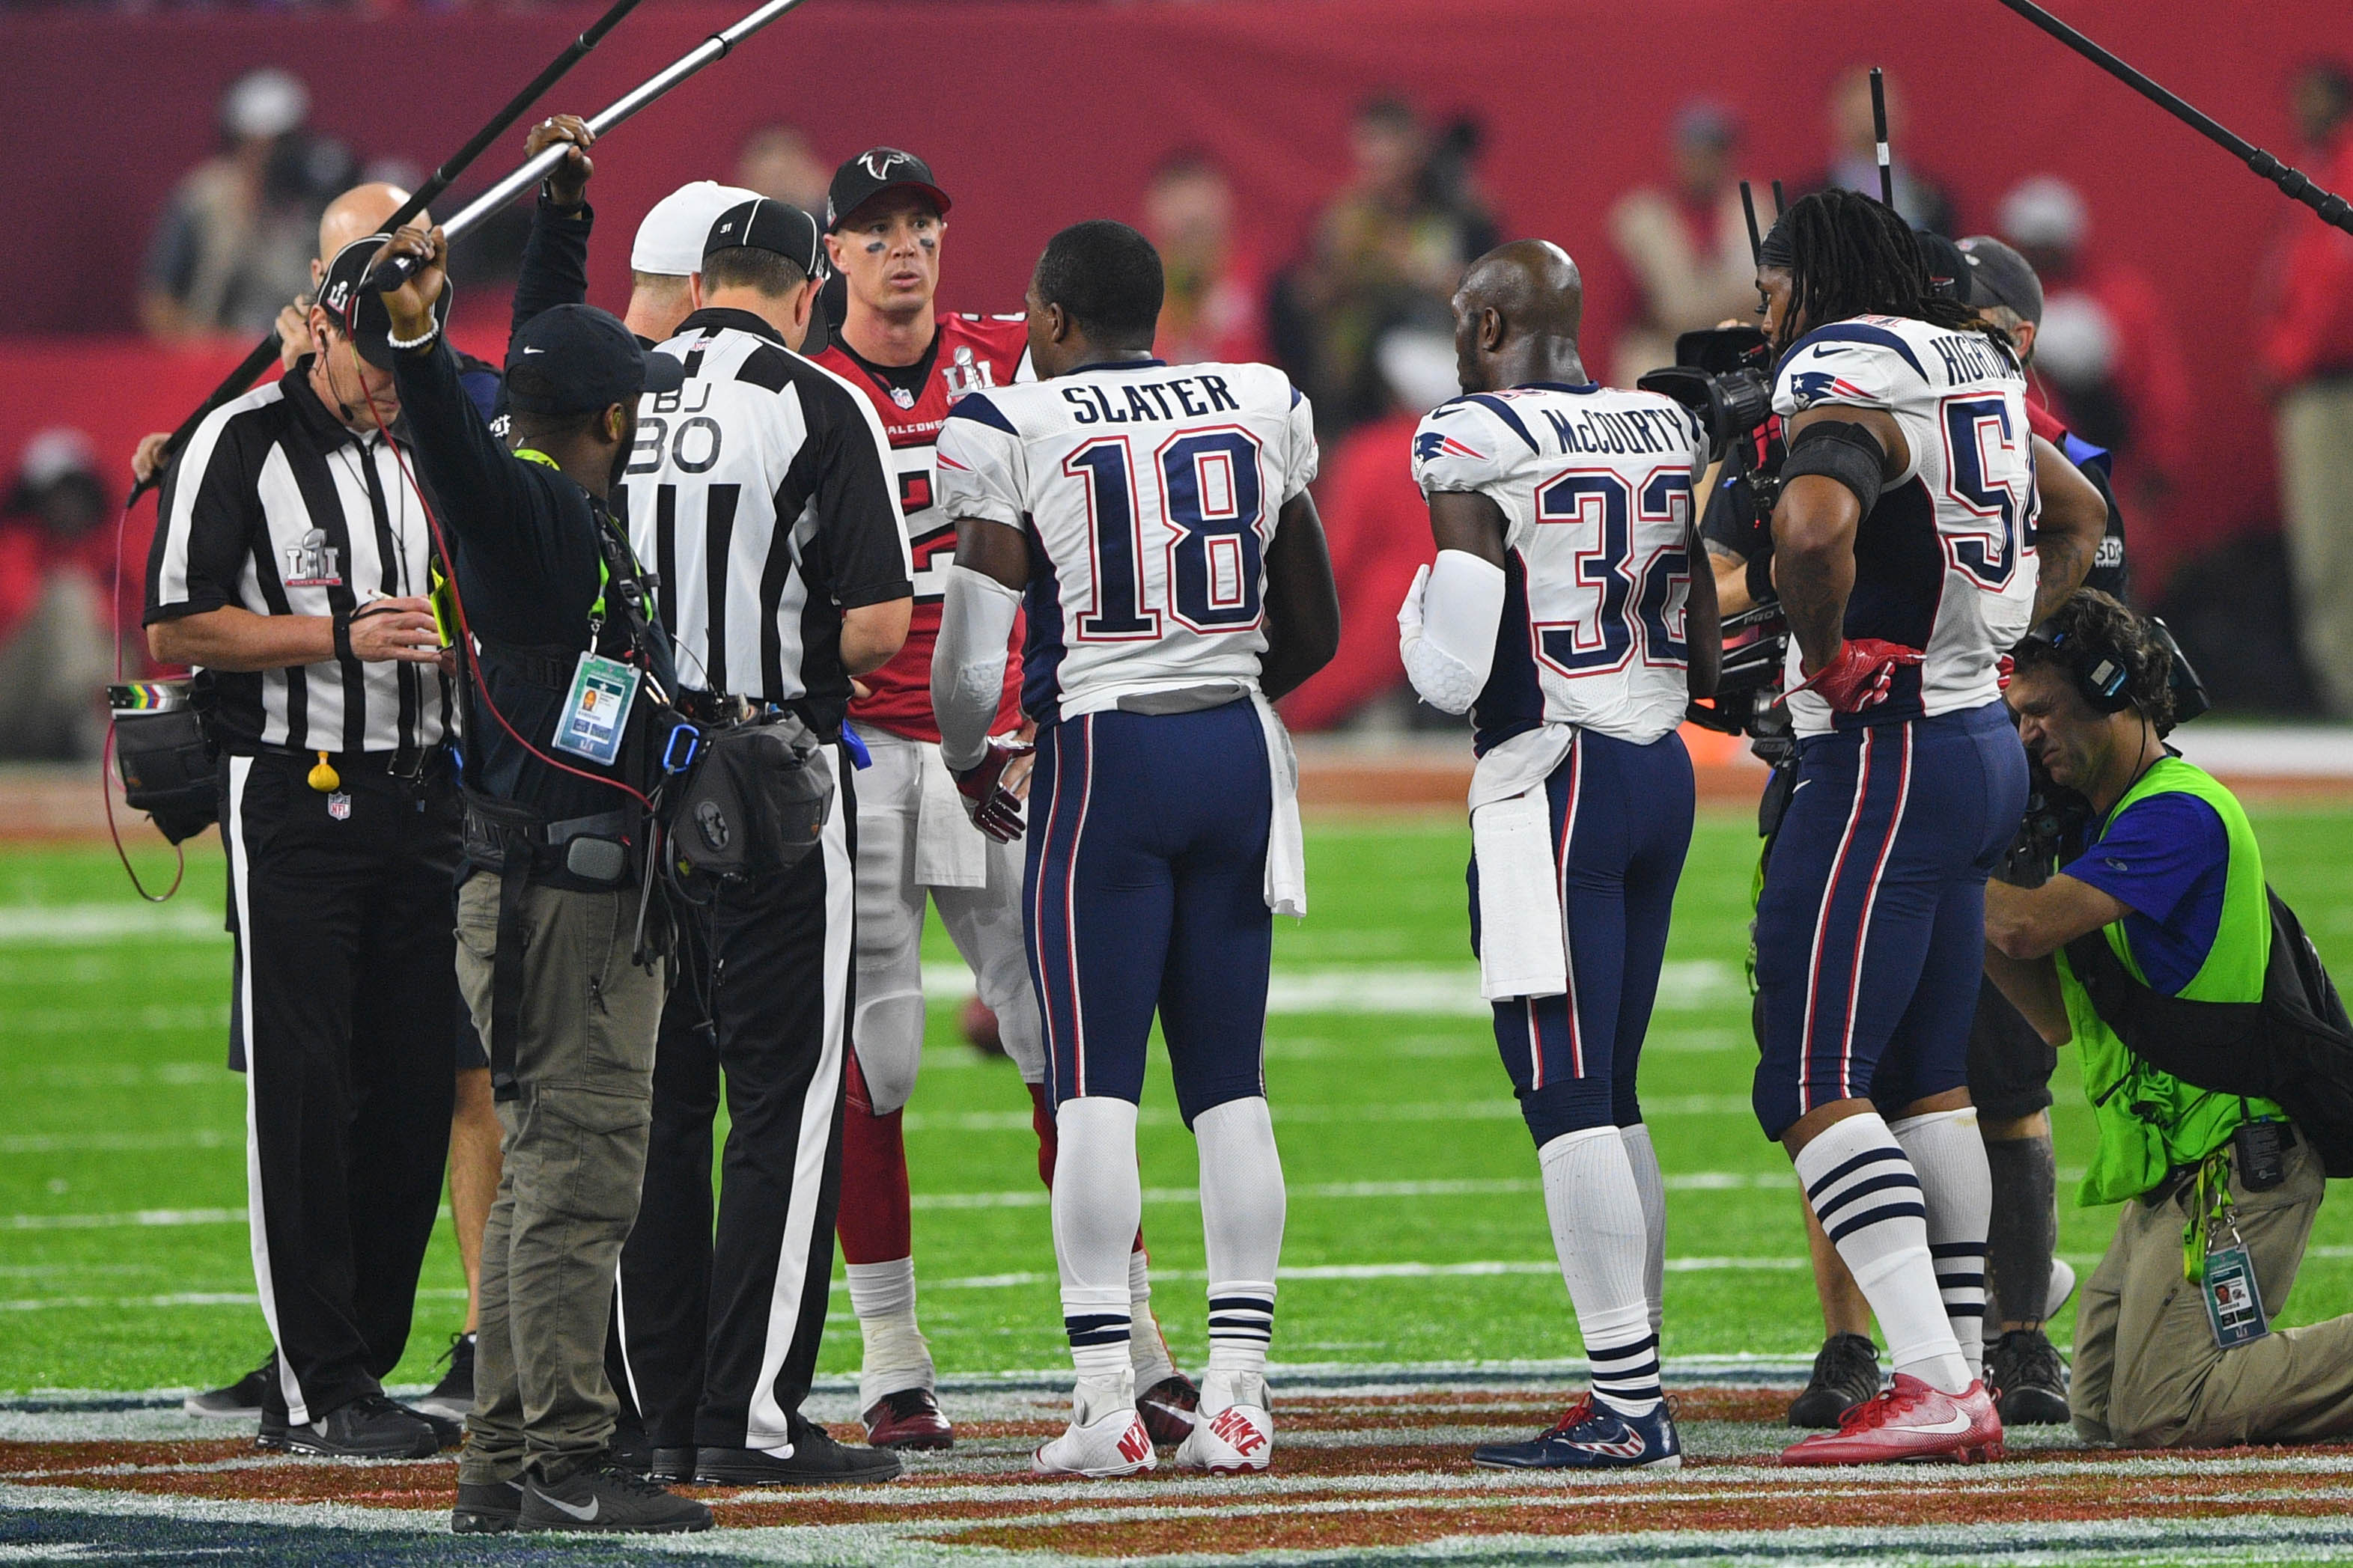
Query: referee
290, 568
761, 495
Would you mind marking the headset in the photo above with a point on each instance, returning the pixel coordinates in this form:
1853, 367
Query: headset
2099, 673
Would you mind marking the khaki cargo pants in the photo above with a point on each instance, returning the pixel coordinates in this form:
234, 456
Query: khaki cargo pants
2148, 1375
573, 1143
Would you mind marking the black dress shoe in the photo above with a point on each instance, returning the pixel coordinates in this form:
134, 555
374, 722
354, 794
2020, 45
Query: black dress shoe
1846, 1373
486, 1508
816, 1460
369, 1428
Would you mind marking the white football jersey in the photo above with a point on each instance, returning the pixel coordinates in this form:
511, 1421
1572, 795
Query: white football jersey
1945, 562
1149, 494
1595, 485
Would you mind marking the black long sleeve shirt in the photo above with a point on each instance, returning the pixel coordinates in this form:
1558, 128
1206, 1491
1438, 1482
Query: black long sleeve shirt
530, 573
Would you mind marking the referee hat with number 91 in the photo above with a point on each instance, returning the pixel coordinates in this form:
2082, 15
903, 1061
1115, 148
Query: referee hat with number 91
766, 224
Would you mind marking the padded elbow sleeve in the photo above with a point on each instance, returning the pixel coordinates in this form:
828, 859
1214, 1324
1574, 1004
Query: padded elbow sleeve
1843, 450
968, 664
1447, 629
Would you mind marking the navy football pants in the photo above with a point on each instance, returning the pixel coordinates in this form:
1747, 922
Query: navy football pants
1621, 822
1871, 929
1145, 891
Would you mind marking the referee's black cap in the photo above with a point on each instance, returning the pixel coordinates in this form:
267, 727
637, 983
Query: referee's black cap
577, 359
361, 310
766, 224
873, 171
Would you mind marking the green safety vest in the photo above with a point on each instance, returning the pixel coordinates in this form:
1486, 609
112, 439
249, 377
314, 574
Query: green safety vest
2149, 1121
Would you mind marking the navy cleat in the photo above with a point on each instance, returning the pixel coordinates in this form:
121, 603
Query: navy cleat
1590, 1436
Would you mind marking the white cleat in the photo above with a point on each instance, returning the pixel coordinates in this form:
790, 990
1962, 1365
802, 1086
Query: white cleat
1238, 1440
1233, 1434
1114, 1445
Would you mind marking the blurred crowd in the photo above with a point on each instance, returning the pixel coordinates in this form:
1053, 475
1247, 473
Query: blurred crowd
1357, 313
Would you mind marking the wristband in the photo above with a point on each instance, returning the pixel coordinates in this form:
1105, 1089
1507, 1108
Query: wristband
342, 620
430, 332
1759, 578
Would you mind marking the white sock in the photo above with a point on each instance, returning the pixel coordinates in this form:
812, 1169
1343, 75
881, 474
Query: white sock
1098, 1204
1652, 1188
1242, 1204
1147, 1352
1867, 1196
1949, 1155
897, 1356
1599, 1234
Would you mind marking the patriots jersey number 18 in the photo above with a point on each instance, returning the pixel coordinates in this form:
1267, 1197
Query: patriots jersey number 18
1149, 494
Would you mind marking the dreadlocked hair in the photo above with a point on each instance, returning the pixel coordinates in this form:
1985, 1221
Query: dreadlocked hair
1852, 255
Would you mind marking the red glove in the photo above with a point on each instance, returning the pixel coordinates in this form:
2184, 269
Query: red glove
2005, 669
993, 806
1860, 674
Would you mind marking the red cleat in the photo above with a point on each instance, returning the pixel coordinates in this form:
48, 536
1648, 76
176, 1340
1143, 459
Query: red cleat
910, 1418
1909, 1420
1167, 1408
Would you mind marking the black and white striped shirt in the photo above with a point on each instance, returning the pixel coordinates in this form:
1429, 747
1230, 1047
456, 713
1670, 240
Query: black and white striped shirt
761, 495
276, 508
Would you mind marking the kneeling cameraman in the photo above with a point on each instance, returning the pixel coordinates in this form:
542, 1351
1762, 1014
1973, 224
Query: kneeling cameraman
552, 936
2217, 1186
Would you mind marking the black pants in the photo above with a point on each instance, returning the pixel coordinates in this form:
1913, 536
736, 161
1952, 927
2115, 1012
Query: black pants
716, 1338
346, 997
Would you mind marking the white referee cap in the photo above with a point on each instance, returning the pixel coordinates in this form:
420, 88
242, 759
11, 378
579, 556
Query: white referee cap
669, 241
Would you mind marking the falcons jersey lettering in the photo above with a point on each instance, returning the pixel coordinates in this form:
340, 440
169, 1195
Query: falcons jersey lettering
1945, 562
1149, 494
969, 354
1595, 485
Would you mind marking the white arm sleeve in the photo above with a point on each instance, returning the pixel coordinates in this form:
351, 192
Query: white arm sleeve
1446, 628
968, 664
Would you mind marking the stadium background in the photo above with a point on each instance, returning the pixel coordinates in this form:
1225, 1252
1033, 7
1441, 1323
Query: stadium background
1416, 1237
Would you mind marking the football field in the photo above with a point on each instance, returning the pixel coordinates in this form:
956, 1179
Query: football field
1417, 1257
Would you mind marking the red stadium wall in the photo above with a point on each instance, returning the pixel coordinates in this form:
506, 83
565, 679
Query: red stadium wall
1036, 115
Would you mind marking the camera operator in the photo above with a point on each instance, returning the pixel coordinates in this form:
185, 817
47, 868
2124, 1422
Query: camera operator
290, 565
552, 892
2170, 884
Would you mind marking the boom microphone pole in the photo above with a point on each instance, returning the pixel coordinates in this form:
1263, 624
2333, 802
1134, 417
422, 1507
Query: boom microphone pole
389, 275
1879, 135
267, 350
2293, 184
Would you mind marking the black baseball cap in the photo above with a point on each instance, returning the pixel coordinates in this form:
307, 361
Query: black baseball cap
1998, 275
873, 171
361, 310
576, 359
1947, 270
766, 224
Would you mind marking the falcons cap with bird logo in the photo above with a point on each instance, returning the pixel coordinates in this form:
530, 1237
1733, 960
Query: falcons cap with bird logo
872, 172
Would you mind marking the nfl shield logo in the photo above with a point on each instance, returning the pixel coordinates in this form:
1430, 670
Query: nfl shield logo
903, 398
339, 806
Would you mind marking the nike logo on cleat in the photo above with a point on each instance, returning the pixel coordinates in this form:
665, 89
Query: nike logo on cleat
1959, 1423
596, 1506
1135, 1444
1630, 1447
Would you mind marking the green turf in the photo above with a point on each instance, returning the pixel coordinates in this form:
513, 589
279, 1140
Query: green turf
110, 1052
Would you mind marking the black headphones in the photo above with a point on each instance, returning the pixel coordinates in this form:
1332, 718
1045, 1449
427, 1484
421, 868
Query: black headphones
2099, 673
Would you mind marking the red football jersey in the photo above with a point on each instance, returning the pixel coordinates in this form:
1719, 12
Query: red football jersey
968, 354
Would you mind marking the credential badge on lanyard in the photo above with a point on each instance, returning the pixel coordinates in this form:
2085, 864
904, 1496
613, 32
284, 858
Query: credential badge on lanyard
596, 709
2234, 1301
